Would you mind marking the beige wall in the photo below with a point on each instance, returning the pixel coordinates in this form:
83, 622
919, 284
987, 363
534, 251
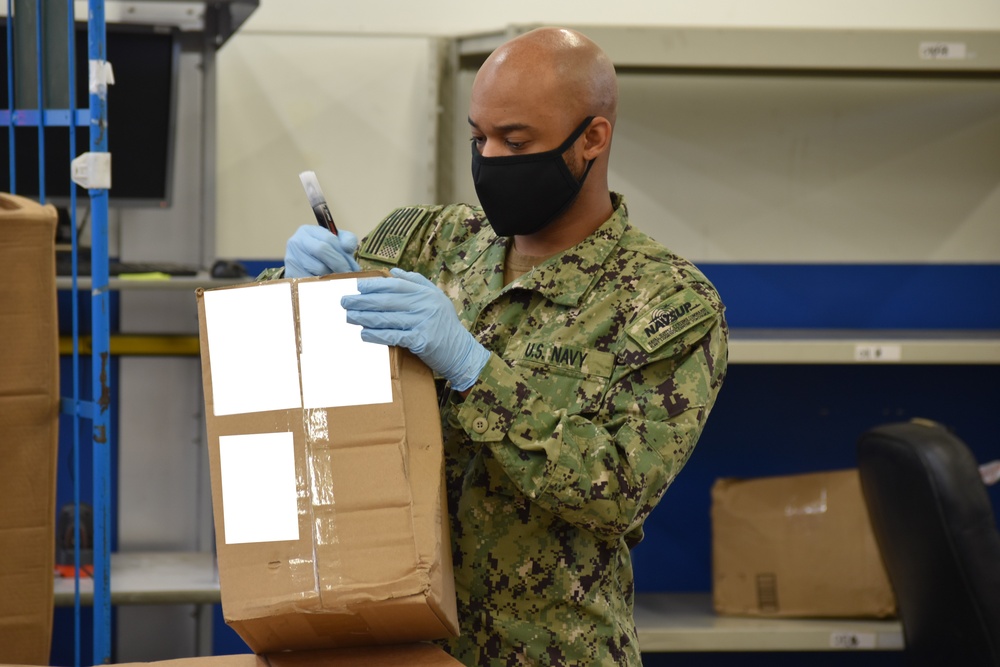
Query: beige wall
449, 17
349, 90
359, 111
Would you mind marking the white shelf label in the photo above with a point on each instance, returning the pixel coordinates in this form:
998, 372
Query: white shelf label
877, 352
852, 640
942, 51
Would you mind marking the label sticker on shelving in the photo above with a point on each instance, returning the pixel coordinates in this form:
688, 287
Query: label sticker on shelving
942, 51
877, 352
852, 640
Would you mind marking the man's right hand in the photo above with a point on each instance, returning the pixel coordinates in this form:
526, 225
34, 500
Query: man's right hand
314, 251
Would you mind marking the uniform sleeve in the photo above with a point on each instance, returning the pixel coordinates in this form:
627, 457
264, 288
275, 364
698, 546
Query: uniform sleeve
604, 472
411, 237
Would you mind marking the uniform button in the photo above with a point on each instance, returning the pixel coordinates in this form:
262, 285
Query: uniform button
479, 425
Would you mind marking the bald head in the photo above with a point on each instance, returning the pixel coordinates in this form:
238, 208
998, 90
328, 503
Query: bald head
558, 67
550, 89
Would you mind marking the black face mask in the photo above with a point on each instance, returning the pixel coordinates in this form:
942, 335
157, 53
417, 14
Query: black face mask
522, 194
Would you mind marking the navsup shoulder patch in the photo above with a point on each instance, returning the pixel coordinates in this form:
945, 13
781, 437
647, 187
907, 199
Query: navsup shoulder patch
387, 241
669, 318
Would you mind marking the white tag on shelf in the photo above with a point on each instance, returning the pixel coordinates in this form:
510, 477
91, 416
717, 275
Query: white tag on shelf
942, 51
877, 352
852, 640
990, 472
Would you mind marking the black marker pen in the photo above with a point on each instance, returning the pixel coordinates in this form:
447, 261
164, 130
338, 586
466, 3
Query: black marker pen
317, 201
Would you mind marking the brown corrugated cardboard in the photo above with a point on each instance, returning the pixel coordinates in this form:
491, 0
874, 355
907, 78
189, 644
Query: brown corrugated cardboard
796, 546
367, 560
409, 655
29, 428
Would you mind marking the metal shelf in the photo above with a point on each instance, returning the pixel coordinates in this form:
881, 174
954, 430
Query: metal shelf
746, 346
856, 346
784, 51
666, 622
669, 622
151, 578
899, 51
191, 283
218, 19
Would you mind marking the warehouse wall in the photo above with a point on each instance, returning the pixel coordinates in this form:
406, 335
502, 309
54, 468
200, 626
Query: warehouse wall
349, 90
448, 17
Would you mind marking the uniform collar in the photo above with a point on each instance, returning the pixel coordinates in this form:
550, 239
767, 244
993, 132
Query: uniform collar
563, 278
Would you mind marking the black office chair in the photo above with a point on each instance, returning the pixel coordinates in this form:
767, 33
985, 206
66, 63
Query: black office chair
935, 528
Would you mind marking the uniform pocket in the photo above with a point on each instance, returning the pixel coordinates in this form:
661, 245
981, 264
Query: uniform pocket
567, 376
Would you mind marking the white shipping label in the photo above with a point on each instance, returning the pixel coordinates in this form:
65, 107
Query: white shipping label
259, 501
251, 347
338, 368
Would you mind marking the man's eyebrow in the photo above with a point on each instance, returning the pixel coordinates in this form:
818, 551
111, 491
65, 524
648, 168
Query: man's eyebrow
510, 127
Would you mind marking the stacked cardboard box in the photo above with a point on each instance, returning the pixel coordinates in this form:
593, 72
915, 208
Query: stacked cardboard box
327, 476
796, 546
29, 428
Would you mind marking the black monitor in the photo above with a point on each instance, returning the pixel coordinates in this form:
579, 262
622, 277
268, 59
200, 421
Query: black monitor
141, 119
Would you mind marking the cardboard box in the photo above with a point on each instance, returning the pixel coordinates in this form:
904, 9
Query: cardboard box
29, 428
327, 473
796, 546
412, 655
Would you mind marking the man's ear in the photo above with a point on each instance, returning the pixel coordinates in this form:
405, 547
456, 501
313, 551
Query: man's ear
597, 137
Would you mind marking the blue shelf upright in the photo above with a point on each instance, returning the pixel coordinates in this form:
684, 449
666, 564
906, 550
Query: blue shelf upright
100, 325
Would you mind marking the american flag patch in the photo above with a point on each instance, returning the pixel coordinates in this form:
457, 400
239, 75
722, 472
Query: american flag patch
387, 242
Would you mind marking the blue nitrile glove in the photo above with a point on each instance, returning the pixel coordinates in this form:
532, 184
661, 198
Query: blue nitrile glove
410, 311
314, 251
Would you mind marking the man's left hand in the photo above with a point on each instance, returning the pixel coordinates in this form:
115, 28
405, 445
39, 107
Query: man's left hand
410, 311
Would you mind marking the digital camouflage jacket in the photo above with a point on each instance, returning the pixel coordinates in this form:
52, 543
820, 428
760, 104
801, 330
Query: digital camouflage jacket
606, 360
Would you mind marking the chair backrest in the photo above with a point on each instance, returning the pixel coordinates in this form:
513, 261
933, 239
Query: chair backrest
936, 531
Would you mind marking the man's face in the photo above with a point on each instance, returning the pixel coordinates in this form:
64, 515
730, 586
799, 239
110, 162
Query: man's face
512, 114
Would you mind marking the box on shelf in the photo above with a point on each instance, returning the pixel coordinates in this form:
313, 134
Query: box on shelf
327, 473
29, 428
796, 546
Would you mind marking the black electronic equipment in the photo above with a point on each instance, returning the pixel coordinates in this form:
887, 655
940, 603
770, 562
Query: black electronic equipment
141, 121
64, 266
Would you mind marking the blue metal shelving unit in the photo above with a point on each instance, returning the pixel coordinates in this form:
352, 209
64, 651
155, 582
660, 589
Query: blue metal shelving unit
218, 21
97, 408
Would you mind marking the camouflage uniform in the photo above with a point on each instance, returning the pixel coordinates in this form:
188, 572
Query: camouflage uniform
606, 361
